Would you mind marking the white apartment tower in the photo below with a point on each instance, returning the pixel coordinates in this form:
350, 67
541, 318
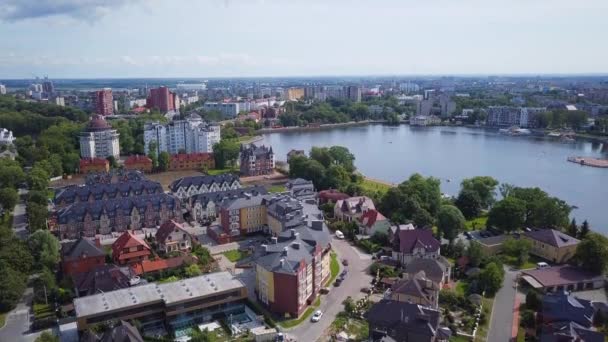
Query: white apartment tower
99, 139
191, 135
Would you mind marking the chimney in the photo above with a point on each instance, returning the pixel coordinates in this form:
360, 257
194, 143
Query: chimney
265, 249
285, 249
273, 240
282, 262
293, 233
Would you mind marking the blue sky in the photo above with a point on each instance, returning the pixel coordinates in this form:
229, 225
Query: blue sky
216, 38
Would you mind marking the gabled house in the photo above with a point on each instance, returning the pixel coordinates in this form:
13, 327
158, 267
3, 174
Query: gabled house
437, 269
172, 237
128, 249
81, 256
372, 221
102, 279
569, 332
121, 332
416, 243
352, 208
391, 320
416, 288
551, 244
301, 189
563, 307
189, 186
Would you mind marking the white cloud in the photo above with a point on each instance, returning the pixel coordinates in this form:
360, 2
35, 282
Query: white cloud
17, 10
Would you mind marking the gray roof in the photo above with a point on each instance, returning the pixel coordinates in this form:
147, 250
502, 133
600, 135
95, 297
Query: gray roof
200, 180
402, 318
219, 196
168, 293
111, 190
286, 209
552, 237
433, 269
82, 247
249, 200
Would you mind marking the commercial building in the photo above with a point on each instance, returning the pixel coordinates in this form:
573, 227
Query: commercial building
99, 139
256, 160
228, 109
293, 268
186, 187
163, 100
104, 102
551, 244
191, 135
177, 305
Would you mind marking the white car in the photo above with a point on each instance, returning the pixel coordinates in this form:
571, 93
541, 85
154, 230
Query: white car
316, 316
339, 234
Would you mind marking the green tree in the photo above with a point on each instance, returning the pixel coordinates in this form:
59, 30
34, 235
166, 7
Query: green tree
226, 153
507, 215
469, 203
584, 230
12, 285
491, 277
541, 209
44, 247
37, 196
193, 271
417, 199
112, 161
342, 156
47, 337
336, 177
517, 248
573, 228
200, 336
528, 319
11, 173
450, 222
484, 186
8, 198
322, 155
163, 161
37, 216
38, 179
592, 253
475, 254
533, 300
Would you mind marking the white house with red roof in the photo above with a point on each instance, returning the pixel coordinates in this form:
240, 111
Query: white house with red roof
129, 248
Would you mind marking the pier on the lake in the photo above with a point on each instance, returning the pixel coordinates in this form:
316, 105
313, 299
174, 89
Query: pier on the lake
588, 161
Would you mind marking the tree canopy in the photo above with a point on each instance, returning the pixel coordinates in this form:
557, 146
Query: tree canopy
416, 199
508, 214
450, 222
592, 253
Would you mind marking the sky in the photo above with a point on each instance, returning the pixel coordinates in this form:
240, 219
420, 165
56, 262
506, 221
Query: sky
249, 38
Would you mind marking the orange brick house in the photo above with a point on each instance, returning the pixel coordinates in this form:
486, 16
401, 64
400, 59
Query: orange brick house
192, 161
128, 249
138, 162
94, 165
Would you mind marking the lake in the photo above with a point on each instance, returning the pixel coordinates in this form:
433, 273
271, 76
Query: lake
393, 153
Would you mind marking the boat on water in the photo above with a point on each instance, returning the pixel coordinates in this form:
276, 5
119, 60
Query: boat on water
514, 131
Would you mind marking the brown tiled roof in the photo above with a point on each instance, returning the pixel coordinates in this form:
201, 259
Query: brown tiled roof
552, 237
562, 275
128, 240
409, 239
148, 266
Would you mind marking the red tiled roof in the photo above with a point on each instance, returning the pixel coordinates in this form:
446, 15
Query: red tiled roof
148, 266
138, 159
128, 240
370, 217
93, 161
191, 157
333, 195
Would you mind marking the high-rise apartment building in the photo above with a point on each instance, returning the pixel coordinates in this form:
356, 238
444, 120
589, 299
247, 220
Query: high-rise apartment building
162, 99
47, 86
2, 89
191, 135
104, 102
353, 93
99, 139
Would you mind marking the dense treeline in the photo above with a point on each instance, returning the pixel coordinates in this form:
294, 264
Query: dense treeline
132, 132
574, 119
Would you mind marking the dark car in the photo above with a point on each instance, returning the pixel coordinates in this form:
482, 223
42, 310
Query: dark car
344, 262
343, 274
338, 282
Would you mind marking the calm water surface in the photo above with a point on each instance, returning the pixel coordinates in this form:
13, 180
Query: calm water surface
453, 153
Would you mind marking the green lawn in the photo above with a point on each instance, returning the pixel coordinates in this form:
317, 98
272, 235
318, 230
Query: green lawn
369, 185
276, 188
42, 311
461, 288
457, 338
334, 267
293, 322
482, 331
477, 223
521, 335
168, 280
234, 255
216, 172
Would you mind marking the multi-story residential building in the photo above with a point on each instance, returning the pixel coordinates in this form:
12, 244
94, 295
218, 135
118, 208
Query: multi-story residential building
353, 93
391, 320
47, 86
551, 244
301, 189
92, 192
88, 165
415, 243
284, 212
417, 289
192, 161
139, 163
163, 100
293, 93
175, 305
293, 268
59, 101
116, 215
228, 109
513, 116
6, 136
81, 256
172, 237
130, 249
186, 187
191, 135
2, 89
256, 160
243, 215
191, 86
448, 107
99, 140
423, 120
206, 206
104, 102
352, 208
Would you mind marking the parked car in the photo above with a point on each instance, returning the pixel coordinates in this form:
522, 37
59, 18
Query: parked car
468, 235
339, 235
338, 282
343, 274
541, 265
324, 290
316, 316
344, 262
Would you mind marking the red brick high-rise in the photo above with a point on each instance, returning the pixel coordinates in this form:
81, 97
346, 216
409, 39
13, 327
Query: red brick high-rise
104, 102
162, 99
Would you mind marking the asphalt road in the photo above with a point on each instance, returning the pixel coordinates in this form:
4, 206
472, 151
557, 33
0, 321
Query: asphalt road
19, 219
331, 304
502, 312
17, 327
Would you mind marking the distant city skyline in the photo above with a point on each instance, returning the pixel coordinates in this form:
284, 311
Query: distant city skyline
273, 38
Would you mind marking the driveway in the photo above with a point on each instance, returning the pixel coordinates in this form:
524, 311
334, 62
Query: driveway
501, 324
17, 327
331, 304
19, 218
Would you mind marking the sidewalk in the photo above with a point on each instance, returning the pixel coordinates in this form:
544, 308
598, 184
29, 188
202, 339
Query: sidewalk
515, 327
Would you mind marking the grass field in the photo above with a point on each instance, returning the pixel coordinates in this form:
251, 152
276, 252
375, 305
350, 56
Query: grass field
276, 188
293, 322
334, 267
234, 255
370, 185
477, 223
482, 331
461, 288
42, 311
